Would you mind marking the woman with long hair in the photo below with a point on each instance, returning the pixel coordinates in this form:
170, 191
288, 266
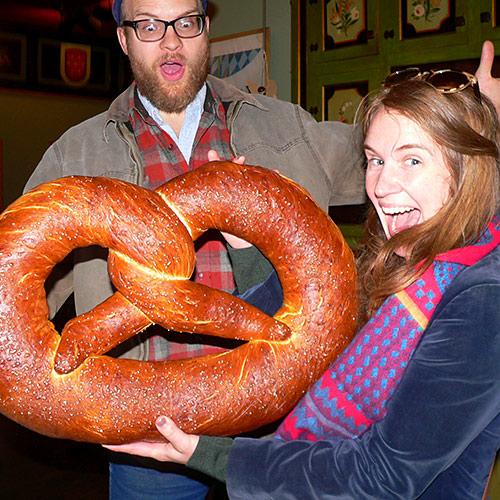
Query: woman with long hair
411, 409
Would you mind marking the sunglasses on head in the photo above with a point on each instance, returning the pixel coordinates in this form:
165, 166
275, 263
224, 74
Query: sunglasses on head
447, 81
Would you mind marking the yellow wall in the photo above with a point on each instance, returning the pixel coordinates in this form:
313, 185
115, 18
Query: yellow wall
29, 123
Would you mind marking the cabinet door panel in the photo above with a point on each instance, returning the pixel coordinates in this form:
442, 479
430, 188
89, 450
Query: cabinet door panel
421, 18
350, 41
336, 94
341, 29
428, 25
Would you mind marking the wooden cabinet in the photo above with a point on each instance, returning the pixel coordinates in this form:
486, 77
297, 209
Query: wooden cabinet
375, 37
347, 47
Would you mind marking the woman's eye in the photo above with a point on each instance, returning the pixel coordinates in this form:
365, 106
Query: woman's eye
412, 162
375, 162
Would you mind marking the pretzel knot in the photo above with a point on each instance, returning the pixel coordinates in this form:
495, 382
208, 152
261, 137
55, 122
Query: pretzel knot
64, 385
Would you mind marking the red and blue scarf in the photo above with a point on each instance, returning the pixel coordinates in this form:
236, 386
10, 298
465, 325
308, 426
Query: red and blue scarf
353, 393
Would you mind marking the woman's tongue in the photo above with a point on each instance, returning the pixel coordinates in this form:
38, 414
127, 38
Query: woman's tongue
173, 70
402, 221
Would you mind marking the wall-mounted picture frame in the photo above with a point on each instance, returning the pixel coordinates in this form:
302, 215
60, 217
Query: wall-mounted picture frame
73, 66
32, 62
12, 57
427, 17
241, 57
344, 23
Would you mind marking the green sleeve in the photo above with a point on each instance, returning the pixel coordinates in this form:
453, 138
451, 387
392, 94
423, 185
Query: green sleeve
211, 456
250, 267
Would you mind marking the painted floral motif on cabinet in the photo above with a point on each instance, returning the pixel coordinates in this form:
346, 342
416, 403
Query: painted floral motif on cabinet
344, 23
341, 102
423, 17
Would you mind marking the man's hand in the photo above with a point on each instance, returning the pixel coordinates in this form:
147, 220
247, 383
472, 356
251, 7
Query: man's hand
178, 446
234, 241
488, 85
214, 156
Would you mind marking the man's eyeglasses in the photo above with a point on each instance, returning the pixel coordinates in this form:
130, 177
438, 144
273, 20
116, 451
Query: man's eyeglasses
447, 81
153, 30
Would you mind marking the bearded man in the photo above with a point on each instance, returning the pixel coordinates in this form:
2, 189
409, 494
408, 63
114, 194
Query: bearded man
163, 125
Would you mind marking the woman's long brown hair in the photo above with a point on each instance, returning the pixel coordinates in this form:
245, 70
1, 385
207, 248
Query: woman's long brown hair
467, 133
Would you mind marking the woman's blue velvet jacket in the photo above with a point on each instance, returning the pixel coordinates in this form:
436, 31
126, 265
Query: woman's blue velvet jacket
442, 428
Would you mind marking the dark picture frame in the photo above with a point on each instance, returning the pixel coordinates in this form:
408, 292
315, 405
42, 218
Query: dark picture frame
12, 58
53, 72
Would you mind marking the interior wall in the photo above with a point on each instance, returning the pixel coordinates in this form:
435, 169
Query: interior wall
229, 17
30, 123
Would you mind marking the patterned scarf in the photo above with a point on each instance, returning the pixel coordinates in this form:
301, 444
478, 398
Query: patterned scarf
353, 393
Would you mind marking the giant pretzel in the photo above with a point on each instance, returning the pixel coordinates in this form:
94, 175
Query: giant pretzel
65, 386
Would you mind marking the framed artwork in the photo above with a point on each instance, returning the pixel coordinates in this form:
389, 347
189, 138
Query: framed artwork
496, 13
73, 66
12, 57
241, 58
34, 63
424, 17
341, 102
344, 23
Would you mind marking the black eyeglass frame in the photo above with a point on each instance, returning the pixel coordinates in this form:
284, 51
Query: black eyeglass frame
414, 73
133, 24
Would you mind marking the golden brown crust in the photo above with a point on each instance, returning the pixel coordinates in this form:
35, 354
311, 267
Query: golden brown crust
66, 387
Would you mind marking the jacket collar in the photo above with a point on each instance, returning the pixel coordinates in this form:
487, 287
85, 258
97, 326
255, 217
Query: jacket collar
229, 93
119, 109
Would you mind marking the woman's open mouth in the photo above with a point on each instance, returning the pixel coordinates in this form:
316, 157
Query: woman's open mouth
400, 218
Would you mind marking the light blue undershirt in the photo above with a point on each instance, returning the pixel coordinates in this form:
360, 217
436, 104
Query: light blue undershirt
190, 125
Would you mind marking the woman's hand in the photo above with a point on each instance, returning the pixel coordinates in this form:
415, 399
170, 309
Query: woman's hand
488, 85
178, 446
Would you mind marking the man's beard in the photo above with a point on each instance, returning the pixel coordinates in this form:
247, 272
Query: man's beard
171, 97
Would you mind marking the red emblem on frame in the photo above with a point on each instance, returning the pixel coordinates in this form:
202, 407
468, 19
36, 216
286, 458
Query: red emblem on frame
75, 64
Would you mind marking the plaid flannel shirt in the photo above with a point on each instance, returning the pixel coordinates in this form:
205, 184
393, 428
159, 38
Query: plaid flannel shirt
163, 160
